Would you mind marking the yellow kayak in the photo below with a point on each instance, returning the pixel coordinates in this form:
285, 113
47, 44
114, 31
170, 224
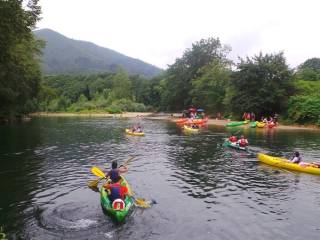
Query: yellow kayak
261, 124
190, 129
134, 133
283, 163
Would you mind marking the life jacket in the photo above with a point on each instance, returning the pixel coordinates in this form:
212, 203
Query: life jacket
242, 143
114, 175
233, 139
115, 192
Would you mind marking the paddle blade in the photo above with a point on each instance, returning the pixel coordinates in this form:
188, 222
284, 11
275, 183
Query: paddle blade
93, 183
140, 202
96, 171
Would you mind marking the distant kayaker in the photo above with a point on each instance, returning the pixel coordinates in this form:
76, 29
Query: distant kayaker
297, 158
114, 173
243, 142
233, 139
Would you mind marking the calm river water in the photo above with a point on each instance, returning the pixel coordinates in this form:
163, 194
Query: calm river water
202, 190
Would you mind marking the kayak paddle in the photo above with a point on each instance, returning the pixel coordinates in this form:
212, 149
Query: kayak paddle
140, 202
96, 171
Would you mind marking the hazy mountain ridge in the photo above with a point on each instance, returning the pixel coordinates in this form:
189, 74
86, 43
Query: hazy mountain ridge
63, 55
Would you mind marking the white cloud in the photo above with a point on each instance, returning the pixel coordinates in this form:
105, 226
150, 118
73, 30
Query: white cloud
159, 31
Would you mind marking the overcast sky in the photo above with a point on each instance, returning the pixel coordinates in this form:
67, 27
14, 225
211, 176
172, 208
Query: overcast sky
158, 31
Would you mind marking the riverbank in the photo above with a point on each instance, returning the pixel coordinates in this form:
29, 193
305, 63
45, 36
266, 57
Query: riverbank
116, 115
160, 116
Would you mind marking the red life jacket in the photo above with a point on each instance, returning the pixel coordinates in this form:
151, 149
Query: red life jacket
233, 139
243, 143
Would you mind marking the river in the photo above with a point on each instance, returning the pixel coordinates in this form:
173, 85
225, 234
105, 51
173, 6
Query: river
201, 190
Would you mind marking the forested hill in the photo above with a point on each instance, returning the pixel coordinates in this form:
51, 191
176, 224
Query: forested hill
65, 55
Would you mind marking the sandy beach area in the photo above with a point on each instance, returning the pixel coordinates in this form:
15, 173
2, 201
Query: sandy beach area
160, 116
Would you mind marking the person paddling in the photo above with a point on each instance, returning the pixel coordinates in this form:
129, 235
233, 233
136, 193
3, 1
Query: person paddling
233, 139
114, 173
297, 158
243, 142
116, 190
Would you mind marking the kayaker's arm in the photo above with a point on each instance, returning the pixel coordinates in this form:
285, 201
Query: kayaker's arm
123, 169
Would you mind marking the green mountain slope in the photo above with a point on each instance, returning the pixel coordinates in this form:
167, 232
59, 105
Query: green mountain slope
68, 56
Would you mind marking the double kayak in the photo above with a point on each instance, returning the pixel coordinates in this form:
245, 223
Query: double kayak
118, 209
234, 124
284, 163
190, 129
234, 145
134, 133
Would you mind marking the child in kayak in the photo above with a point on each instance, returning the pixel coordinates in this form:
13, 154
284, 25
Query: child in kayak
243, 142
116, 191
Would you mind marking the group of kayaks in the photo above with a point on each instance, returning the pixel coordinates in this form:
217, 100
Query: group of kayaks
191, 125
252, 124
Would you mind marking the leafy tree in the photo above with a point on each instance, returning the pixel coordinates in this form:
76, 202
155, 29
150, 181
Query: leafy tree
121, 87
179, 76
309, 70
208, 91
261, 84
19, 57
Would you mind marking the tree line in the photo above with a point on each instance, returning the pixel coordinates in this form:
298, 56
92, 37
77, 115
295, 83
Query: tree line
203, 76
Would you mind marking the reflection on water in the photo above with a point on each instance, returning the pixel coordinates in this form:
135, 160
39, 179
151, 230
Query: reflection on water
203, 190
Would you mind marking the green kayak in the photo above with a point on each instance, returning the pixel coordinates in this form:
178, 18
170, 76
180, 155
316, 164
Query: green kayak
253, 124
234, 124
227, 143
118, 215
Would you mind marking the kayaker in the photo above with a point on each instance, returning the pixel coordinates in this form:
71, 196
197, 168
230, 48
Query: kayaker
194, 126
233, 139
243, 142
139, 129
116, 191
297, 158
114, 173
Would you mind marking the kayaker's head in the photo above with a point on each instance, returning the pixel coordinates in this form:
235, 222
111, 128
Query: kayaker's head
297, 154
114, 164
242, 137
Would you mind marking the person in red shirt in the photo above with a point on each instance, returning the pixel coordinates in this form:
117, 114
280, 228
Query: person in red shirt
233, 139
116, 191
243, 142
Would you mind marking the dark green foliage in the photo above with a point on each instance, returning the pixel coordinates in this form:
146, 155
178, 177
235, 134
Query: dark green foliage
210, 88
19, 51
304, 109
261, 85
177, 82
111, 92
63, 55
309, 70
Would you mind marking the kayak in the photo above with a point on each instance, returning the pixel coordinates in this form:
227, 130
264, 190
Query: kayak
261, 124
282, 163
181, 120
253, 124
271, 125
190, 129
118, 214
134, 133
234, 145
233, 124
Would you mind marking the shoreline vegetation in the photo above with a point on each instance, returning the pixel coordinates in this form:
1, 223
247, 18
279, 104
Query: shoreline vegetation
159, 116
